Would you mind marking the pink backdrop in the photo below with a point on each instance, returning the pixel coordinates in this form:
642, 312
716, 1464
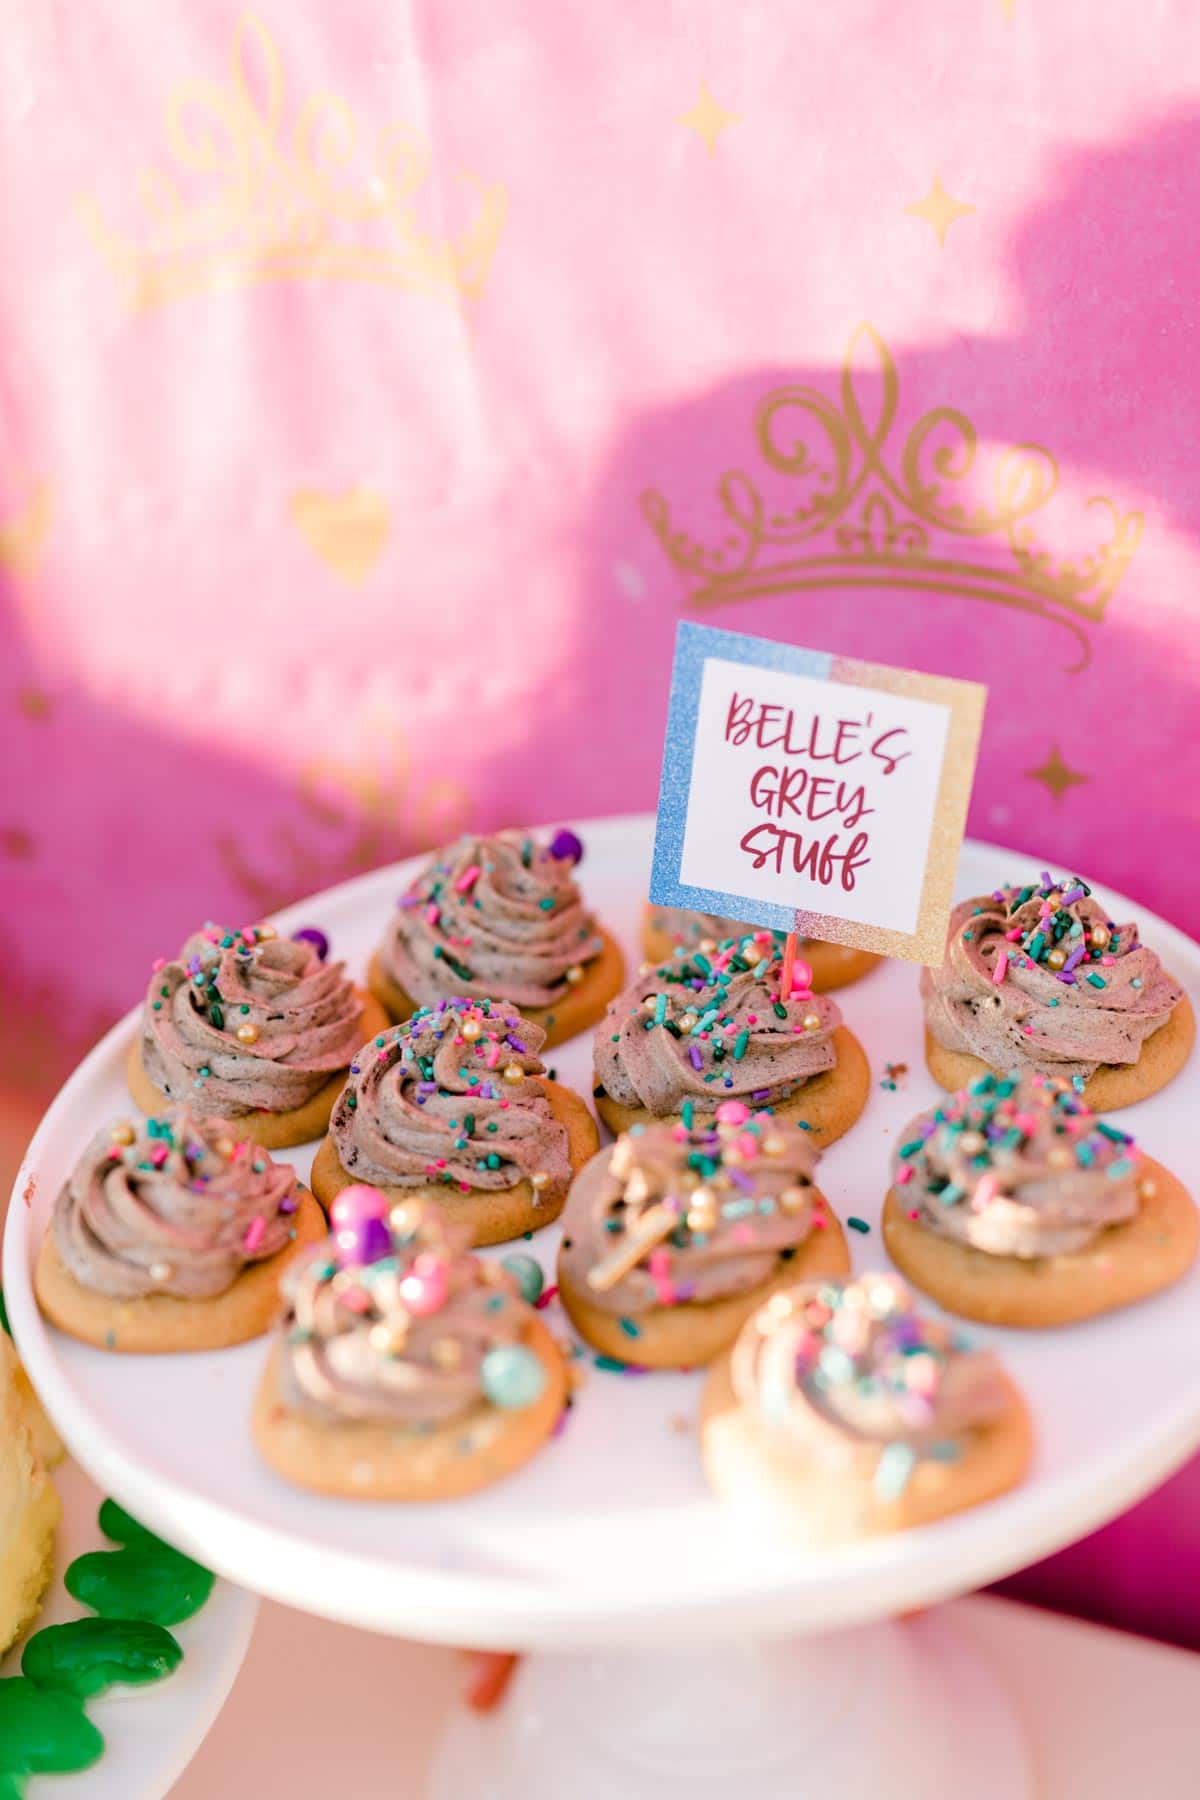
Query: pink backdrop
379, 384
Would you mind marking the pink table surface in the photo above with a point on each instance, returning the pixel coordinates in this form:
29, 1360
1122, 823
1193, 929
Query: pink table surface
380, 384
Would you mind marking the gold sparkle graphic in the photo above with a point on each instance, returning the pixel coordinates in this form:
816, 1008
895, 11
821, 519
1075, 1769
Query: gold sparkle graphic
1057, 775
16, 843
707, 119
33, 703
939, 210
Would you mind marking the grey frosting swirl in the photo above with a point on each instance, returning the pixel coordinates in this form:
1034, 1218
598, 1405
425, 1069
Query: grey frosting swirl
177, 1206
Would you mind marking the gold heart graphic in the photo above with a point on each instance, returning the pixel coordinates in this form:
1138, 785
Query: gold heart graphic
348, 531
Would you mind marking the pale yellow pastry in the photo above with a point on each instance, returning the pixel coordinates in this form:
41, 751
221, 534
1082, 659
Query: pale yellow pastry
29, 1507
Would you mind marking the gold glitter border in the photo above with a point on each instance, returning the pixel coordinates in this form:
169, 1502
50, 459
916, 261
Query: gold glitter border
965, 702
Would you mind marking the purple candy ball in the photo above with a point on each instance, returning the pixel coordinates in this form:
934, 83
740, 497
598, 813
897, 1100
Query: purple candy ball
364, 1242
566, 846
318, 940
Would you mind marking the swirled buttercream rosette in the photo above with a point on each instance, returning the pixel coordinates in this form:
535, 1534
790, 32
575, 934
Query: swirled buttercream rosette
842, 1412
500, 917
406, 1368
172, 1235
455, 1104
1013, 1202
249, 1026
1040, 977
708, 1027
675, 1234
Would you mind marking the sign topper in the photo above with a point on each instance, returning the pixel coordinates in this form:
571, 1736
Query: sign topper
814, 793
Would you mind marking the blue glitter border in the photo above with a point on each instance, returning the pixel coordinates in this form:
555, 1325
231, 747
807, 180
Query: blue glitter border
694, 646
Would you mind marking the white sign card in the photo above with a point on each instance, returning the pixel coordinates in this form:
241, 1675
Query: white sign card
814, 793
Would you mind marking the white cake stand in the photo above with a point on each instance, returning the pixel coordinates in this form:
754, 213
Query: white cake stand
607, 1545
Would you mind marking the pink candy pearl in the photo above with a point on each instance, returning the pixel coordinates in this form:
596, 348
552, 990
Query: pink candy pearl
425, 1290
732, 1112
355, 1204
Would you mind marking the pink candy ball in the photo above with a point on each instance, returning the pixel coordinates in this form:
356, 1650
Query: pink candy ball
356, 1204
424, 1289
801, 979
732, 1112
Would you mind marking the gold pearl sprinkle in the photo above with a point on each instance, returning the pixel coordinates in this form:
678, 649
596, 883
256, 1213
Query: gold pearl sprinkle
247, 1033
540, 1179
1060, 1157
122, 1134
575, 974
388, 1338
649, 1003
971, 1143
265, 932
1147, 1187
1100, 936
405, 1217
792, 1199
774, 1145
472, 1030
707, 946
513, 1072
812, 1021
1056, 957
689, 1021
161, 1271
223, 1146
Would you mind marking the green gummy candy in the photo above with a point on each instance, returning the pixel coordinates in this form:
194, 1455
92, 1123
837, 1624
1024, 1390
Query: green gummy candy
121, 1526
89, 1655
143, 1580
42, 1731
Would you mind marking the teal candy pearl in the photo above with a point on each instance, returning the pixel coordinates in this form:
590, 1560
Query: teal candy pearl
512, 1377
526, 1271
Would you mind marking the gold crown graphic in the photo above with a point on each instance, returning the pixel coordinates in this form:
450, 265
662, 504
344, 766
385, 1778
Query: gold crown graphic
859, 520
248, 201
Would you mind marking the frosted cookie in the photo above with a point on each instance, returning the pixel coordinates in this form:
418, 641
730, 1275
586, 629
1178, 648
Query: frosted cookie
454, 1105
29, 1507
1039, 977
677, 1233
712, 1028
842, 1413
1013, 1203
500, 918
406, 1369
666, 929
172, 1236
253, 1028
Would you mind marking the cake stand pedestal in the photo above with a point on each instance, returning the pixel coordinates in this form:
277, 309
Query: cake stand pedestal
903, 1709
